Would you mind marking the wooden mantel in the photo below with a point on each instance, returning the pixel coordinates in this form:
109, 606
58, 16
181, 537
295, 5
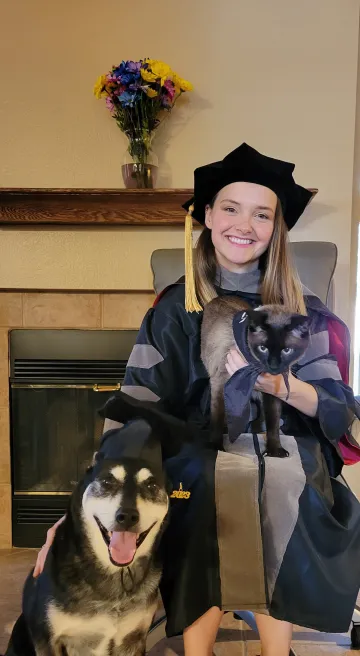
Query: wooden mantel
97, 207
85, 207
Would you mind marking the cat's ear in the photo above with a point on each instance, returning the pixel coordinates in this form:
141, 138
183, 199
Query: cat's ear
257, 320
299, 325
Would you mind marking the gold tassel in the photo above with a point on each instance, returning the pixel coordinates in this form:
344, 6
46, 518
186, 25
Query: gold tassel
191, 302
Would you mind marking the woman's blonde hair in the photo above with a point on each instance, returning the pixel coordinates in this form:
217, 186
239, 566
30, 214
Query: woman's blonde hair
280, 281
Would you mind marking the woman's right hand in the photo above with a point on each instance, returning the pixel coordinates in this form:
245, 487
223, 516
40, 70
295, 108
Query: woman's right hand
235, 361
40, 561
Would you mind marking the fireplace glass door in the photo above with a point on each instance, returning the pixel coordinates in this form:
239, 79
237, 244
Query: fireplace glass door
57, 430
59, 379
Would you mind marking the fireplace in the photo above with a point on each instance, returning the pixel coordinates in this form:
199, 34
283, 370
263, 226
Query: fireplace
58, 381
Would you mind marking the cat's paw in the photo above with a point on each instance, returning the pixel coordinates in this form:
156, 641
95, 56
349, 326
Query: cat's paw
278, 452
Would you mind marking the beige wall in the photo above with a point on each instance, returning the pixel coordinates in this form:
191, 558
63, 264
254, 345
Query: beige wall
280, 75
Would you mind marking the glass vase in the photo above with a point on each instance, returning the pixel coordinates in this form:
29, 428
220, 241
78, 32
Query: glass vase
140, 165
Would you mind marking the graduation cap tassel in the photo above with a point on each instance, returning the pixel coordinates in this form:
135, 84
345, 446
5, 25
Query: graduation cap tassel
191, 301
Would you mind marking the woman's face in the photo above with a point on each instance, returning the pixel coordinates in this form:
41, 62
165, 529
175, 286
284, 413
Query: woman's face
241, 224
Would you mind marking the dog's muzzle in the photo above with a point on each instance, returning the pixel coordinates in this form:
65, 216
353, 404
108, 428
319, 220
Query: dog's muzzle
123, 544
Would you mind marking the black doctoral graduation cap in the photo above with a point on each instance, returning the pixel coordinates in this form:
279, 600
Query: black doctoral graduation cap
244, 164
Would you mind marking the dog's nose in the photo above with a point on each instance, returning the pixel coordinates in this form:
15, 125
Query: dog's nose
127, 517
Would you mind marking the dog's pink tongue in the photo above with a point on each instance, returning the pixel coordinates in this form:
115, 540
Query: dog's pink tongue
123, 547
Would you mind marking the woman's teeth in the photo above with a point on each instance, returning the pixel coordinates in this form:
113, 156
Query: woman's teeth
238, 240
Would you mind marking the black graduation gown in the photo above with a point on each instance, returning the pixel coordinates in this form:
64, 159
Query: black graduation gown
247, 532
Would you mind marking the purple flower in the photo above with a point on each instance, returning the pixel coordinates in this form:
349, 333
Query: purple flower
133, 67
137, 86
170, 89
166, 102
109, 104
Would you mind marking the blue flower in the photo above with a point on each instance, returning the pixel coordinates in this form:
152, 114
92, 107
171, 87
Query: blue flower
128, 98
128, 78
127, 71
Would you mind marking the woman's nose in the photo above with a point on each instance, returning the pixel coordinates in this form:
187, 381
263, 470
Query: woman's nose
244, 224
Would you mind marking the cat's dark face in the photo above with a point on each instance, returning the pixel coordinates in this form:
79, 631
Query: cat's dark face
277, 339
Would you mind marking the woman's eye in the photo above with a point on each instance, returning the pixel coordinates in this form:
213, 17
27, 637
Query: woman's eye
287, 351
263, 217
231, 210
263, 349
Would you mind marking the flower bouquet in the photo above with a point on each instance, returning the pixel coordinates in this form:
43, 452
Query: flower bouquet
139, 95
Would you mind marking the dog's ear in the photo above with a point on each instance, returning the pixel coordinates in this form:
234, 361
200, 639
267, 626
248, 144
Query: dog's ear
168, 486
171, 432
97, 456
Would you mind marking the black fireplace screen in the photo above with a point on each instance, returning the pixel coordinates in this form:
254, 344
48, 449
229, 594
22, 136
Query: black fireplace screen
56, 431
58, 381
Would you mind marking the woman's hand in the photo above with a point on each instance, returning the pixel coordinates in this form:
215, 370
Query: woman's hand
274, 385
235, 360
266, 383
302, 396
40, 561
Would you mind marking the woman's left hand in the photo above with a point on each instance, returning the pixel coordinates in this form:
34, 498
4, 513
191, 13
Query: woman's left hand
302, 396
266, 383
274, 385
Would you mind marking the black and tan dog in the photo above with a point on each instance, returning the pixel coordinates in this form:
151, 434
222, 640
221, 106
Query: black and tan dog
98, 592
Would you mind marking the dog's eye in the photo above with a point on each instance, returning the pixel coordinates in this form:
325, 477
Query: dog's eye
287, 351
263, 349
107, 481
151, 486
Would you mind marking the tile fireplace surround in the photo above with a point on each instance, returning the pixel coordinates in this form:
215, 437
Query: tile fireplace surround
41, 310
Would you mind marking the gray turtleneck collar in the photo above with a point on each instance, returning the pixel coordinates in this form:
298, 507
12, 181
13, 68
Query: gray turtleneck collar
248, 281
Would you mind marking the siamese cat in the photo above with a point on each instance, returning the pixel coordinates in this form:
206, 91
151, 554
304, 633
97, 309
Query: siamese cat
276, 337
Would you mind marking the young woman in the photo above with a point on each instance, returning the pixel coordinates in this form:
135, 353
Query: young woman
311, 529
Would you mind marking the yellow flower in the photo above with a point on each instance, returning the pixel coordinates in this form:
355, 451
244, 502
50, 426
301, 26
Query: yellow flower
147, 75
157, 71
161, 70
181, 84
151, 92
99, 88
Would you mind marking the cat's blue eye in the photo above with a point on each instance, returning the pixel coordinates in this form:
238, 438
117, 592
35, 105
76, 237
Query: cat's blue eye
263, 349
287, 351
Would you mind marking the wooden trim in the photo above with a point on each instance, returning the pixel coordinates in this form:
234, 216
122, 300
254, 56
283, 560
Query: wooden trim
96, 207
84, 207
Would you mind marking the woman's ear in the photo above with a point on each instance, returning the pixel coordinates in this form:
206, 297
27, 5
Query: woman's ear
208, 221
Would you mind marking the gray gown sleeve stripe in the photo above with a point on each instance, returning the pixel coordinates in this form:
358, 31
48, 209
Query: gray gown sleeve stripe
324, 368
144, 356
318, 347
140, 392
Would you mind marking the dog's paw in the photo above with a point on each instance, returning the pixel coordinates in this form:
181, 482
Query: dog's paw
278, 452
